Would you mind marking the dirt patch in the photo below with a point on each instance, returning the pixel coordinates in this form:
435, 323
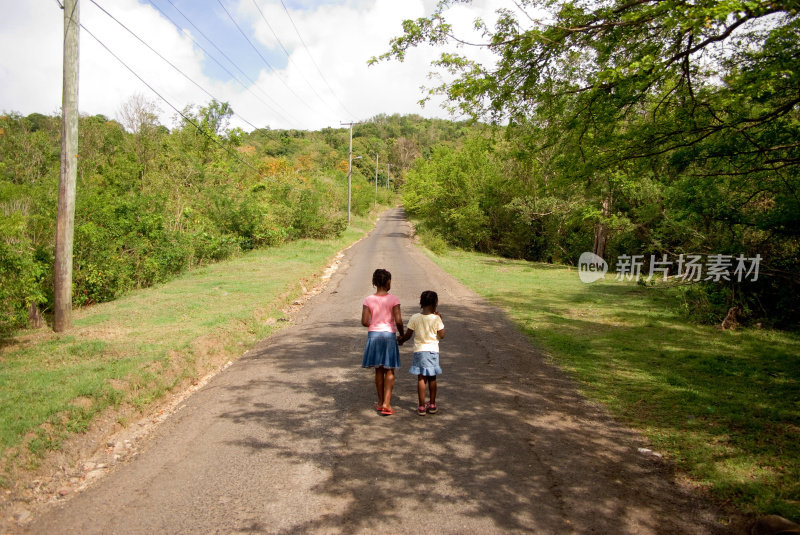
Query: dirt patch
82, 402
119, 385
206, 350
106, 333
56, 475
27, 338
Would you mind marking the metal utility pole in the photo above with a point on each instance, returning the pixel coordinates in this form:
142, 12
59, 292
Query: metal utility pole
69, 169
349, 170
376, 180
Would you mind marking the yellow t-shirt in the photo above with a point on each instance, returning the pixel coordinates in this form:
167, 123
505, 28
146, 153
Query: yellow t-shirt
425, 327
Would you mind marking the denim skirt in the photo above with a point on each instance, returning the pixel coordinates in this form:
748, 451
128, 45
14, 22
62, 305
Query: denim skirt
425, 363
381, 350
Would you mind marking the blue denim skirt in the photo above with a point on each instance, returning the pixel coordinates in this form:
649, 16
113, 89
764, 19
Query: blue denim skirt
425, 363
381, 350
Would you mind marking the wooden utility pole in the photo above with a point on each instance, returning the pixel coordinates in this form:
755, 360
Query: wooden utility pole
65, 222
376, 179
349, 170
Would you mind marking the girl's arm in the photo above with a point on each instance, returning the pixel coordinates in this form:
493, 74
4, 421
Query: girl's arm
366, 315
398, 319
440, 334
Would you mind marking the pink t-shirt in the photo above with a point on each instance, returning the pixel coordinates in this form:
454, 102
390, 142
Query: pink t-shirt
381, 307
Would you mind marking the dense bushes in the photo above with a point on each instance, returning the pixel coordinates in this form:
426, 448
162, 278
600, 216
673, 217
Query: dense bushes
488, 196
152, 203
472, 198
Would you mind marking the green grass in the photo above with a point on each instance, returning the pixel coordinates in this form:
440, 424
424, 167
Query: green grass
724, 406
134, 350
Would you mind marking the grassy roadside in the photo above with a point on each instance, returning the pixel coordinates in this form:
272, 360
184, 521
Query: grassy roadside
724, 406
132, 351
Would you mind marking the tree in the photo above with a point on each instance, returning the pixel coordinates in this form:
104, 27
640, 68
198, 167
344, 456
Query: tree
140, 117
403, 152
716, 77
686, 115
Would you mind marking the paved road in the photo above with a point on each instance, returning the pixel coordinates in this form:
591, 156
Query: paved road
286, 440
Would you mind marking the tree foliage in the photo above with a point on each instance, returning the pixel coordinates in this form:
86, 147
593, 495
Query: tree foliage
152, 202
672, 127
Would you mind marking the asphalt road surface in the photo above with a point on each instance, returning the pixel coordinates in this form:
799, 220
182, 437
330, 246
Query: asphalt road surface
287, 441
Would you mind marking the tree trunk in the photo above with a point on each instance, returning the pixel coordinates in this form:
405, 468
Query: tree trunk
34, 317
601, 233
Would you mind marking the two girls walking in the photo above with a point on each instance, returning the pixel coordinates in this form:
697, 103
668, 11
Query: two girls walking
380, 313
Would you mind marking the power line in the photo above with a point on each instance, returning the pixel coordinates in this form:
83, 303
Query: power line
245, 35
167, 61
270, 29
179, 112
233, 76
314, 62
286, 52
246, 77
263, 58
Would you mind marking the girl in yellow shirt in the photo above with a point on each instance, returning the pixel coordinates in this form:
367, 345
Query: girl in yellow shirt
427, 329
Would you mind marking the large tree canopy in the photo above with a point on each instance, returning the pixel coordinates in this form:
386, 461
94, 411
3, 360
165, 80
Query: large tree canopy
679, 122
681, 71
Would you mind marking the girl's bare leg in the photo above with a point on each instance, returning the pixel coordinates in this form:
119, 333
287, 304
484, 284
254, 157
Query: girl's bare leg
421, 389
432, 388
379, 384
388, 385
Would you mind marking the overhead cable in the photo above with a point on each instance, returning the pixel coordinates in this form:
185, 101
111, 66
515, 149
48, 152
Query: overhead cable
314, 62
233, 76
204, 90
286, 52
267, 63
246, 77
179, 112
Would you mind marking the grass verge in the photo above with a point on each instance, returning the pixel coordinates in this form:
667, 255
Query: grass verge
132, 351
724, 406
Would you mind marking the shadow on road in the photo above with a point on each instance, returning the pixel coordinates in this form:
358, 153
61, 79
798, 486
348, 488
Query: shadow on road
513, 444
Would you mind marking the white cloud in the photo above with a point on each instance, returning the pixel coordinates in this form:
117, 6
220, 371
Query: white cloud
341, 37
30, 65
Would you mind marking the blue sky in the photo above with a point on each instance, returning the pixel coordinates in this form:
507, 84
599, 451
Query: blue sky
210, 20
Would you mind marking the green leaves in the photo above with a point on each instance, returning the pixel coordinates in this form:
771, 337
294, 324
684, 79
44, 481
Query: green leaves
674, 126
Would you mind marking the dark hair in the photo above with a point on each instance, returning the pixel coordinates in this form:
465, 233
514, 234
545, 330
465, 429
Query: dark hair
381, 278
428, 299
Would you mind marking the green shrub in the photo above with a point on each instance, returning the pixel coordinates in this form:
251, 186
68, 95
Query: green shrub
432, 240
22, 278
24, 267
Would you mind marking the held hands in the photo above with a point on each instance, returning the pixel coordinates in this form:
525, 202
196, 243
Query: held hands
405, 336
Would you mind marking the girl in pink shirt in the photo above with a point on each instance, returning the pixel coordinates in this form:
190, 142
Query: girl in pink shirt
381, 314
